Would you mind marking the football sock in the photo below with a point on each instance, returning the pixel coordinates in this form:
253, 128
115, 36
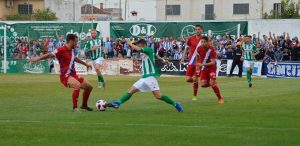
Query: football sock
100, 78
249, 76
85, 97
217, 91
168, 100
125, 97
75, 97
195, 87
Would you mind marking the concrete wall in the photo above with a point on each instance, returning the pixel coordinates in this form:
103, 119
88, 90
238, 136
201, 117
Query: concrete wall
223, 9
66, 10
275, 26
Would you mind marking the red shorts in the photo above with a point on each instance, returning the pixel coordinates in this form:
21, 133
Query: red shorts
208, 74
64, 79
191, 71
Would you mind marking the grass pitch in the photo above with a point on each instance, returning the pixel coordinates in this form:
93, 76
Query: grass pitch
36, 110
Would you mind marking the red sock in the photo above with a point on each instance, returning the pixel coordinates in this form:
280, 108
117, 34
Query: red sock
75, 97
86, 95
217, 91
195, 86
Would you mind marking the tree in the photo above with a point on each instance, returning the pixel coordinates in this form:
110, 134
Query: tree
289, 10
39, 15
44, 15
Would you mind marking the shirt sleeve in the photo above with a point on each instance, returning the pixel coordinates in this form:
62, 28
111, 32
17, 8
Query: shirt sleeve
213, 54
147, 51
57, 52
188, 42
255, 48
87, 46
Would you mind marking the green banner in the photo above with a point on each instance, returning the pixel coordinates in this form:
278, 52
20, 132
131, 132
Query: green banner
23, 66
39, 30
175, 29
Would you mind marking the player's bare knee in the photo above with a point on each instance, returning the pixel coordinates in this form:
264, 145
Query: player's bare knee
204, 84
157, 95
189, 79
76, 85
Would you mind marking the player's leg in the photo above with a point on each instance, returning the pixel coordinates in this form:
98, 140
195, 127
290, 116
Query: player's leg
101, 82
87, 87
73, 83
232, 68
190, 77
126, 96
214, 85
248, 65
157, 94
240, 65
204, 79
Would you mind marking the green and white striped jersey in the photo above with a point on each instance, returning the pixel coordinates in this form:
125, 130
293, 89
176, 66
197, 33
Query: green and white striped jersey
148, 63
249, 50
95, 53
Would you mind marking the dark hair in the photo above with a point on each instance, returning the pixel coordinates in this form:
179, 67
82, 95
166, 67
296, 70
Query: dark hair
249, 36
142, 42
71, 37
198, 25
205, 38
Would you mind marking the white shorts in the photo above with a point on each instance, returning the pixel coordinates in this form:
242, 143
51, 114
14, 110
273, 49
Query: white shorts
98, 61
148, 84
248, 64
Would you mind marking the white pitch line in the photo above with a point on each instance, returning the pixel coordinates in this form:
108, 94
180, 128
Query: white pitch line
148, 125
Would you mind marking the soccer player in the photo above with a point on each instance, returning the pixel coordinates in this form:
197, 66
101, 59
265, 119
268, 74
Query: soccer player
68, 77
249, 53
191, 45
97, 50
148, 82
206, 66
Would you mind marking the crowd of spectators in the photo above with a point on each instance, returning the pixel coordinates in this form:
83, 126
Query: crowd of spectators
272, 47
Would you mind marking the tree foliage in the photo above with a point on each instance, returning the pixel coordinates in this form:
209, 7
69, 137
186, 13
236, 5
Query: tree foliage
289, 10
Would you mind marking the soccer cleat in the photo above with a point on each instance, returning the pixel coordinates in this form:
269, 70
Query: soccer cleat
101, 85
194, 98
179, 107
221, 101
113, 104
250, 85
86, 108
76, 110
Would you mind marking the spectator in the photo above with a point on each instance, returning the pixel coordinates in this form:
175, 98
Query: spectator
278, 55
118, 47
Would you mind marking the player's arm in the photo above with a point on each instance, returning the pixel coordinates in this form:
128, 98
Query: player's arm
137, 48
82, 62
43, 57
211, 63
161, 59
256, 51
184, 54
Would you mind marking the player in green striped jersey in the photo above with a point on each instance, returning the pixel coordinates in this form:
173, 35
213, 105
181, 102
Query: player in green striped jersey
249, 53
148, 82
95, 47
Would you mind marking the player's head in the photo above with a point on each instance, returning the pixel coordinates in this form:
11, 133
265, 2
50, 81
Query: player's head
198, 29
141, 43
94, 33
72, 40
205, 41
248, 38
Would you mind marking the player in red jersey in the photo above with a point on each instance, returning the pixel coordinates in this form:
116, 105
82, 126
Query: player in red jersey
191, 45
68, 77
206, 66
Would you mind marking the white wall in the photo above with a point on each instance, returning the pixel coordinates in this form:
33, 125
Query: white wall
275, 26
66, 10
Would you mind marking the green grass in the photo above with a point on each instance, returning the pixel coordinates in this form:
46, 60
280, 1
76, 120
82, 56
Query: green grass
36, 110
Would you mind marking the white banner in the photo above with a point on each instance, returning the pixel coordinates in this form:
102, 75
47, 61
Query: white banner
80, 69
283, 70
256, 69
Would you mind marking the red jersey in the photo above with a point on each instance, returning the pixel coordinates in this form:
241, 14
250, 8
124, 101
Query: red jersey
66, 58
192, 43
205, 56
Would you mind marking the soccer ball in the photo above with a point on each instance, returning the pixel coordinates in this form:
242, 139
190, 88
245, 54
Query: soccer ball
101, 105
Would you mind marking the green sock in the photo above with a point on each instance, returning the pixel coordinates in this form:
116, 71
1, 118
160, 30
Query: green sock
168, 100
100, 78
125, 97
249, 76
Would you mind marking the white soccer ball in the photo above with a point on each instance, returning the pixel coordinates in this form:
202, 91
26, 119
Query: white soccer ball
101, 105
